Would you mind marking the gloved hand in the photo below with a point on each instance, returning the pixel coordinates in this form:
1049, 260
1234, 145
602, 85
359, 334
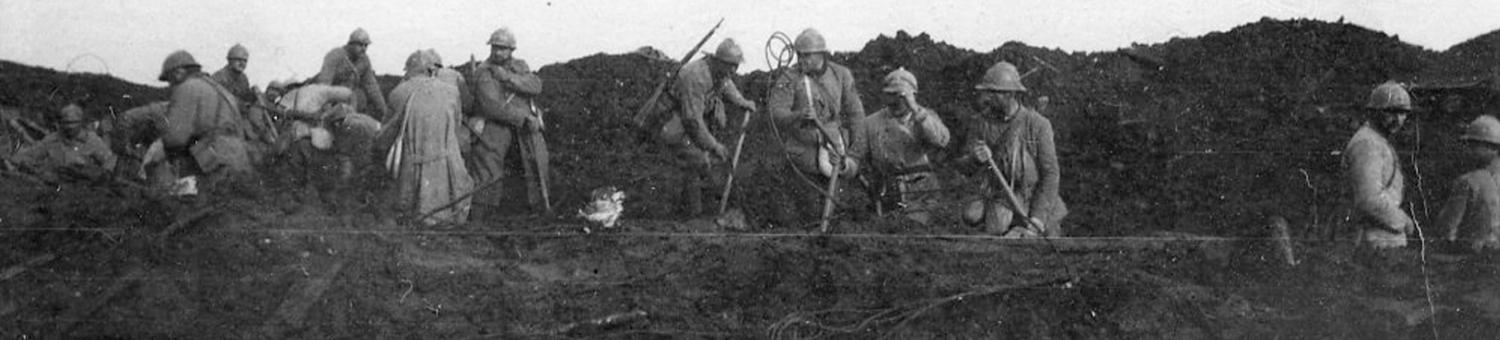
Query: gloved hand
981, 153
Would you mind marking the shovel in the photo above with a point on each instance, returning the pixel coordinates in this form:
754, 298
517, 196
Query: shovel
734, 163
1012, 199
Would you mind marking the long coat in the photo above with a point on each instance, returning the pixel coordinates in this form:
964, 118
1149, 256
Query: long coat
429, 169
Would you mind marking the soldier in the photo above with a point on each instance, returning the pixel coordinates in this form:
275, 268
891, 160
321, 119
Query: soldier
73, 151
233, 78
1471, 216
892, 147
1018, 142
506, 116
430, 173
701, 89
813, 105
348, 66
1374, 172
204, 133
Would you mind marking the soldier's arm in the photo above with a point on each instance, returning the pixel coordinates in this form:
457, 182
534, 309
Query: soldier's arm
31, 156
103, 157
854, 108
491, 105
782, 98
1454, 209
182, 113
372, 91
519, 78
330, 69
465, 96
859, 143
394, 106
690, 94
1364, 170
731, 92
930, 128
967, 160
1049, 171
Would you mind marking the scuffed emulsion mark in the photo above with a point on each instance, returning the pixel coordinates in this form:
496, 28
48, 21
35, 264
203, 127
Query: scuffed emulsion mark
1426, 278
409, 286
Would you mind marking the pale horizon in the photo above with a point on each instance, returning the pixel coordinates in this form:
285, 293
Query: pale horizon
287, 39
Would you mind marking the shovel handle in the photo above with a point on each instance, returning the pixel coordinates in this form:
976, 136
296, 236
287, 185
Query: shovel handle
1010, 196
734, 163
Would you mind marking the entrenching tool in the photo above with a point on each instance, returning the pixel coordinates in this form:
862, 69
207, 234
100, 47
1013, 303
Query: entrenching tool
833, 178
1011, 198
734, 163
641, 114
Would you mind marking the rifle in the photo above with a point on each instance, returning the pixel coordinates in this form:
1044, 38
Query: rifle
640, 117
534, 154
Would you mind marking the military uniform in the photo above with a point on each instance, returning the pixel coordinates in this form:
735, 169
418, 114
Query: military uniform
203, 119
892, 147
1471, 215
62, 154
699, 97
829, 96
1375, 177
505, 91
340, 68
425, 157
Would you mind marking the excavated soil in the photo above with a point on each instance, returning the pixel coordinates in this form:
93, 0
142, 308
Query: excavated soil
1175, 155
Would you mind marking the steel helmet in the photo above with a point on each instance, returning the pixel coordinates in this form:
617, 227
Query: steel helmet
1001, 77
729, 52
279, 85
437, 60
810, 41
503, 38
900, 81
420, 61
70, 114
1389, 96
238, 52
174, 61
359, 37
1483, 129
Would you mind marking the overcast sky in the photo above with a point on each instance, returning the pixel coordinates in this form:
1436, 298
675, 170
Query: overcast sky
288, 38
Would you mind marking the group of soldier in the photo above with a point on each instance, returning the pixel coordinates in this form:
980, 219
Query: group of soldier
440, 131
820, 120
1470, 218
445, 135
